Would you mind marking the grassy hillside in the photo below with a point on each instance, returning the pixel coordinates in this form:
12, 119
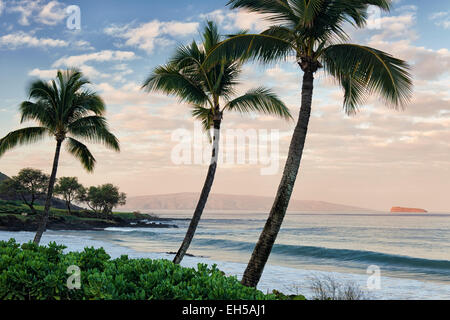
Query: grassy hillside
15, 216
57, 203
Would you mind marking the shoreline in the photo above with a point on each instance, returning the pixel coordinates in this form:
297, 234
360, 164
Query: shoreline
287, 280
17, 223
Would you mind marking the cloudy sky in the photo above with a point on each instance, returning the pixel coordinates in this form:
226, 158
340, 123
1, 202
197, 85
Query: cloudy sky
377, 158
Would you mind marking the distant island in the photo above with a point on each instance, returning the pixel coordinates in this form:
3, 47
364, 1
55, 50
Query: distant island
412, 210
187, 201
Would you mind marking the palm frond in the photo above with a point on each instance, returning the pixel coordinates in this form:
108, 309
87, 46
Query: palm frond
223, 76
265, 47
355, 93
40, 111
364, 70
187, 58
211, 36
74, 80
94, 129
306, 11
43, 91
82, 153
329, 21
260, 100
22, 137
83, 104
205, 116
277, 10
169, 80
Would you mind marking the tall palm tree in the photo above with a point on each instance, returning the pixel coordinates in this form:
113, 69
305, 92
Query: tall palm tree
209, 91
313, 31
61, 108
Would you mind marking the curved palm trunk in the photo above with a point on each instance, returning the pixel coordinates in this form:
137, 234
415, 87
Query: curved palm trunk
203, 197
48, 201
268, 236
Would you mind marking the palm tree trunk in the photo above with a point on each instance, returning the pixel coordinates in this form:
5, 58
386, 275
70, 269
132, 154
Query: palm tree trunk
203, 197
48, 201
268, 236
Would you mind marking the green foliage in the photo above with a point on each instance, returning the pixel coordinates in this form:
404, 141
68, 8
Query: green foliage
363, 71
281, 296
29, 185
31, 272
14, 207
103, 198
70, 189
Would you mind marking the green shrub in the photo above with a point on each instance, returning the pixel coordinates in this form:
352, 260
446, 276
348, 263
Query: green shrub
13, 207
31, 272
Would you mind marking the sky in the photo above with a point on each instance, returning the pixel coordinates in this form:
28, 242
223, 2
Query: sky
376, 159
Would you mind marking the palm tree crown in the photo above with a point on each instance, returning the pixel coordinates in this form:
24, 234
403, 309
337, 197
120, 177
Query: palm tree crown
65, 110
206, 88
313, 31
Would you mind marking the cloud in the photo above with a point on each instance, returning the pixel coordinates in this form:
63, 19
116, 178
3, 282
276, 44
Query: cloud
117, 73
147, 35
83, 45
441, 19
397, 35
88, 71
101, 56
396, 27
25, 8
39, 11
43, 74
80, 61
2, 6
427, 64
131, 94
233, 20
52, 13
136, 119
21, 39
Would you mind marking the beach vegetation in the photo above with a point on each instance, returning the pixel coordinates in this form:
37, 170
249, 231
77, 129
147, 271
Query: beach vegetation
32, 272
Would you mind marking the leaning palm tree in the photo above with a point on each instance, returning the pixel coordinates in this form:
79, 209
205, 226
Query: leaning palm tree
209, 92
61, 108
313, 32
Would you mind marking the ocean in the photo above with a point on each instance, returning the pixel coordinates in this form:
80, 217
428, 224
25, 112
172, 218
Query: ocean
410, 251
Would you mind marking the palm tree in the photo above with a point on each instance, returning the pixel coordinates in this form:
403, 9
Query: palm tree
313, 31
62, 108
205, 90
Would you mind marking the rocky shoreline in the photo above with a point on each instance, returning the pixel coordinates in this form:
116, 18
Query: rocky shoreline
14, 222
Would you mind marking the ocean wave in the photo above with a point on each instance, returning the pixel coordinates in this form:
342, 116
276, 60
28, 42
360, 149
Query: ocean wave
359, 256
149, 231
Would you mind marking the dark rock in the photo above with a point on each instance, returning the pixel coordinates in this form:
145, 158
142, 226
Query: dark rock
15, 223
